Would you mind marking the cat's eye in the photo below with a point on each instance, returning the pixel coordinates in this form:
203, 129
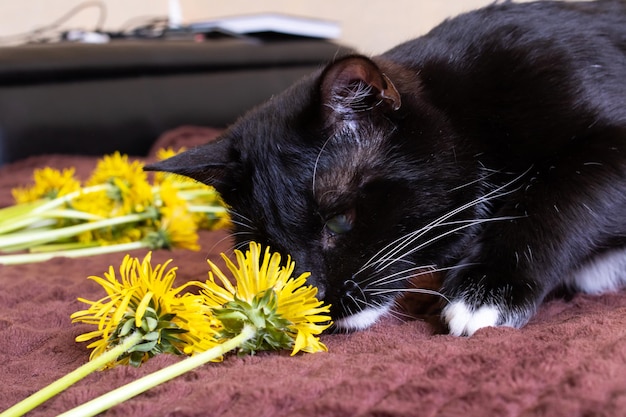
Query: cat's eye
339, 224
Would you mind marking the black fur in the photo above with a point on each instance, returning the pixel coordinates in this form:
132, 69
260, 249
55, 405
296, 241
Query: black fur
508, 124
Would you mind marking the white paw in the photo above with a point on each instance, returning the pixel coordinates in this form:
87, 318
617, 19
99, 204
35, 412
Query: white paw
465, 321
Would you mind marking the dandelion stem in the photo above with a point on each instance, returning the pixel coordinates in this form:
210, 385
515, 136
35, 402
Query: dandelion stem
18, 210
71, 253
59, 247
32, 218
59, 201
54, 234
65, 382
143, 384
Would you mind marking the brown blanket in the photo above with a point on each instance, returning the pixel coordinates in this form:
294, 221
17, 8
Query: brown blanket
570, 360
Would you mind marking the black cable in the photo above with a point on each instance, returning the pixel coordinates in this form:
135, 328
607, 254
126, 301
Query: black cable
38, 34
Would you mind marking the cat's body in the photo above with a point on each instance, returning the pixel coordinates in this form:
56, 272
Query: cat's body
492, 149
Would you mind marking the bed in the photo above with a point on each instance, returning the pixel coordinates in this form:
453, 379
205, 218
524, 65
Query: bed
570, 360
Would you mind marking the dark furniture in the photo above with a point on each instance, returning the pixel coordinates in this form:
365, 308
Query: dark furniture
93, 99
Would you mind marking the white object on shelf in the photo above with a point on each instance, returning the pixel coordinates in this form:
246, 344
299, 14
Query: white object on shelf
272, 22
175, 15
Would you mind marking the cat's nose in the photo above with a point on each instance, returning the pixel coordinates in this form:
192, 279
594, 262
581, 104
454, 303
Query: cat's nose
350, 287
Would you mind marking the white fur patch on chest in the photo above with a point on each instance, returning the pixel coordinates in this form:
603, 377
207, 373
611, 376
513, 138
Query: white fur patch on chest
604, 273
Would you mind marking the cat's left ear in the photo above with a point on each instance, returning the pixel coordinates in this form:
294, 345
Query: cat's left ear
209, 163
356, 84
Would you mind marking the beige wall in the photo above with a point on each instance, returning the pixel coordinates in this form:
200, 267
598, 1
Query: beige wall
372, 26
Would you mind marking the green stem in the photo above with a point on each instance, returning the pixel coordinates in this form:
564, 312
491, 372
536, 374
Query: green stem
143, 384
71, 253
17, 223
18, 210
59, 247
31, 218
59, 201
21, 215
65, 382
64, 232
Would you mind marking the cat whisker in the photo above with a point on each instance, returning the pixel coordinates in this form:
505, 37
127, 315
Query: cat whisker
410, 290
236, 213
359, 302
404, 274
347, 308
390, 260
317, 160
399, 244
442, 220
393, 257
244, 225
399, 315
230, 235
240, 233
356, 285
480, 179
375, 289
410, 238
421, 273
455, 230
244, 222
242, 244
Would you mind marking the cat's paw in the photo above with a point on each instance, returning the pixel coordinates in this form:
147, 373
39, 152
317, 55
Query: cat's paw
464, 320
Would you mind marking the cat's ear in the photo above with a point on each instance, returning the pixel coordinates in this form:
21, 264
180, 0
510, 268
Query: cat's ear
356, 84
207, 163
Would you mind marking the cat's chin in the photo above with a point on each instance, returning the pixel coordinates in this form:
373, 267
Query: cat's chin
363, 319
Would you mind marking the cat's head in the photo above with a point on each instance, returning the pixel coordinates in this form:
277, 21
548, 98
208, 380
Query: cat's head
343, 172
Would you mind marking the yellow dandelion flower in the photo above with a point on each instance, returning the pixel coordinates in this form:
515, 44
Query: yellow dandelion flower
99, 203
177, 229
176, 226
113, 166
199, 322
143, 300
169, 196
213, 212
165, 153
95, 202
130, 191
282, 308
49, 184
117, 188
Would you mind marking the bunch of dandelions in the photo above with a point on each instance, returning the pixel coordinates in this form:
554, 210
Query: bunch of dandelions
260, 307
116, 209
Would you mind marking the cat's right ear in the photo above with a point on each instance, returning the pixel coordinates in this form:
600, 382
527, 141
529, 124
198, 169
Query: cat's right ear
207, 163
354, 85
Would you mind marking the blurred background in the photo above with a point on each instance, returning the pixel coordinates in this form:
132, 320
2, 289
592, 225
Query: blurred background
367, 25
90, 77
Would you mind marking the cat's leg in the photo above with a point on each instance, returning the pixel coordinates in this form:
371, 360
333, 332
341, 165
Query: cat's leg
604, 273
571, 213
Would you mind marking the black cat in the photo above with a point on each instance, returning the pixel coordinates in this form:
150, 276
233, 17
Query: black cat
492, 149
